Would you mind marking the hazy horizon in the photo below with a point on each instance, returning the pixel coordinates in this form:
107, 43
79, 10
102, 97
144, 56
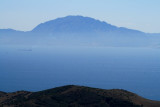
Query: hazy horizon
123, 53
25, 15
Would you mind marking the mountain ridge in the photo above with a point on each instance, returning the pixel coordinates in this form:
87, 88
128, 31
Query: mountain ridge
76, 96
80, 31
82, 19
75, 23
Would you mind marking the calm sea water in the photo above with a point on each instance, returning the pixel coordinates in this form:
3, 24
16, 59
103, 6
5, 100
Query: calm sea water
36, 68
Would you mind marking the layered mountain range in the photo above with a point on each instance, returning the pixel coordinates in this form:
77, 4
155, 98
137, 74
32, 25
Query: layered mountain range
79, 30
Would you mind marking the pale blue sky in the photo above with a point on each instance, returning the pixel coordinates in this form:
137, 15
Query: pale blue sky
24, 15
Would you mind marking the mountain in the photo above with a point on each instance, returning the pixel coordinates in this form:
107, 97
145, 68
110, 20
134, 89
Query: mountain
78, 24
75, 24
8, 32
80, 31
75, 96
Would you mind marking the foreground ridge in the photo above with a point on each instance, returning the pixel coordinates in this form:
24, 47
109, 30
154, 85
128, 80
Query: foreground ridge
75, 96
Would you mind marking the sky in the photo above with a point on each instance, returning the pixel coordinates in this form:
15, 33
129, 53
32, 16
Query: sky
24, 15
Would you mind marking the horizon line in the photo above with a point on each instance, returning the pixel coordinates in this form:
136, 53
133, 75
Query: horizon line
79, 16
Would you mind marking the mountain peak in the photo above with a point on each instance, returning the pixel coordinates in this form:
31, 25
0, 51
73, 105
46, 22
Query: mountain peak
72, 24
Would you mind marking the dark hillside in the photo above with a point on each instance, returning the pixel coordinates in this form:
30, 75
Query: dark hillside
75, 96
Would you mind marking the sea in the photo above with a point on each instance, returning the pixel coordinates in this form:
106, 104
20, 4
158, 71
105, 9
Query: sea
36, 68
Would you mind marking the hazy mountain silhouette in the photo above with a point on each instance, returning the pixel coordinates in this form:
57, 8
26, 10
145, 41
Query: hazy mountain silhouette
79, 30
10, 32
78, 24
7, 31
75, 96
75, 24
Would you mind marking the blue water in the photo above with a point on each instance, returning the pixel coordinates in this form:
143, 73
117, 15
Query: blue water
36, 68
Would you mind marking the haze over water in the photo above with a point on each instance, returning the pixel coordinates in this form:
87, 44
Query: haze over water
35, 68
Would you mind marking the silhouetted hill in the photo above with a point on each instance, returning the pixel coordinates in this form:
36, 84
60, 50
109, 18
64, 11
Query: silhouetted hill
10, 32
72, 24
75, 24
78, 24
7, 30
75, 96
80, 31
